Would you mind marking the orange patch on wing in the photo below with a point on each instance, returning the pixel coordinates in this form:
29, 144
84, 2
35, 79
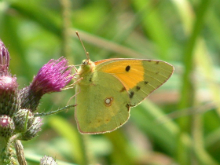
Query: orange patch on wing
129, 77
105, 60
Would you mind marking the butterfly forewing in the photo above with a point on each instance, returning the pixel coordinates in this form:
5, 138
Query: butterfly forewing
139, 77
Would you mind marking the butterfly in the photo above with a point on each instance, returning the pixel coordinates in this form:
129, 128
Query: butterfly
107, 89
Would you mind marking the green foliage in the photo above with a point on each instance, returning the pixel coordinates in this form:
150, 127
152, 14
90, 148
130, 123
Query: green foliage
178, 123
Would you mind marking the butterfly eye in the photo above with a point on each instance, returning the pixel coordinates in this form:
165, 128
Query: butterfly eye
85, 62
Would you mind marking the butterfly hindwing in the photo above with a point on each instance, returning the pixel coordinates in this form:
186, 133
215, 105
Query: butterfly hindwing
102, 106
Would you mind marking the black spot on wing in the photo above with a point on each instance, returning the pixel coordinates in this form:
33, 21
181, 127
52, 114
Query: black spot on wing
127, 68
131, 94
123, 89
128, 107
138, 88
90, 79
145, 82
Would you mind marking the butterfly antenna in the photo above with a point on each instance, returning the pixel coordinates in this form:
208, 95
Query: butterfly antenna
87, 53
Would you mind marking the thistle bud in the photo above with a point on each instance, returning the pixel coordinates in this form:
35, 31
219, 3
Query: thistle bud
33, 129
23, 119
6, 126
47, 160
52, 77
9, 101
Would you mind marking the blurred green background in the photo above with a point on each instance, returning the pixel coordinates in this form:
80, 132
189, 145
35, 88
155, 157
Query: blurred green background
177, 124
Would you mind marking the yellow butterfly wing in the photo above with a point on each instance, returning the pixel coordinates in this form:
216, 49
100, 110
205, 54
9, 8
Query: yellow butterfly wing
139, 77
101, 106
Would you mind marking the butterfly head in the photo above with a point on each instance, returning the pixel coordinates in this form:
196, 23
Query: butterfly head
87, 66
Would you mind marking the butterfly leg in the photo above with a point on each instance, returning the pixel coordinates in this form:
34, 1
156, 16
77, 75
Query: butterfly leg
73, 96
74, 68
73, 84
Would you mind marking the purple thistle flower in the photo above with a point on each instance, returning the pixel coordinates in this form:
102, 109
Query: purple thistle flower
52, 77
17, 106
4, 59
8, 84
9, 102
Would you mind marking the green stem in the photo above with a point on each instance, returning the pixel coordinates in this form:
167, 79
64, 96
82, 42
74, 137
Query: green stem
187, 90
20, 152
55, 111
6, 151
202, 156
90, 159
3, 150
66, 15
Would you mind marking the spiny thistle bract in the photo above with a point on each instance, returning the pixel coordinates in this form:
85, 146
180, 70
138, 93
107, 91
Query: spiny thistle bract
17, 107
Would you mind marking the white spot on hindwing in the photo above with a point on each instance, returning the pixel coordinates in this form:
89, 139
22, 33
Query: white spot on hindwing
108, 101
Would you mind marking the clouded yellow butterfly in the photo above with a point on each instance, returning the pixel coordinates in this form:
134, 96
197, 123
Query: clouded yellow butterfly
107, 89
